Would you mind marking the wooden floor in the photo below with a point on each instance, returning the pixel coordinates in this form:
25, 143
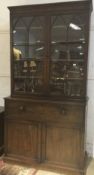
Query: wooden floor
12, 169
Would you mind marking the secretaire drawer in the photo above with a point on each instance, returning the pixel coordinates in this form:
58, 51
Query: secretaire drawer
42, 111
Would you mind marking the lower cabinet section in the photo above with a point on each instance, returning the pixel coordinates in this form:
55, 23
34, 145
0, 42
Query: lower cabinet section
44, 141
50, 144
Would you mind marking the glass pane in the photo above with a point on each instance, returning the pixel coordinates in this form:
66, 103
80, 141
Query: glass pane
36, 52
74, 88
28, 75
76, 52
58, 52
36, 30
67, 56
19, 32
28, 54
67, 74
76, 29
67, 28
59, 29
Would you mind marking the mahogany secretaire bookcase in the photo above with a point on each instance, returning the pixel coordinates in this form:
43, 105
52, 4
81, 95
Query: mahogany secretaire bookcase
45, 114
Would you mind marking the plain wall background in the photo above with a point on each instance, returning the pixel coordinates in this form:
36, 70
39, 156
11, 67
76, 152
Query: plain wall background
5, 64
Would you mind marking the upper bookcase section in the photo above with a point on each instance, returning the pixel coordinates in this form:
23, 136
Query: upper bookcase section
49, 49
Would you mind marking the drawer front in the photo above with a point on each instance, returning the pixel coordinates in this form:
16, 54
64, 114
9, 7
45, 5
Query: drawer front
45, 111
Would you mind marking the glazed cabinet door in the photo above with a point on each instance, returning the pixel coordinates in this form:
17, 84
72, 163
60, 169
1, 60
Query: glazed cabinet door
21, 140
28, 50
68, 60
62, 146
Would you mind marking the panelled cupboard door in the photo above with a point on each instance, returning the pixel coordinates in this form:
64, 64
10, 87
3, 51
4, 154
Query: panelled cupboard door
22, 140
62, 146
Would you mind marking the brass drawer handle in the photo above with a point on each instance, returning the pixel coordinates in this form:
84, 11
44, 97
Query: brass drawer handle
63, 111
21, 108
